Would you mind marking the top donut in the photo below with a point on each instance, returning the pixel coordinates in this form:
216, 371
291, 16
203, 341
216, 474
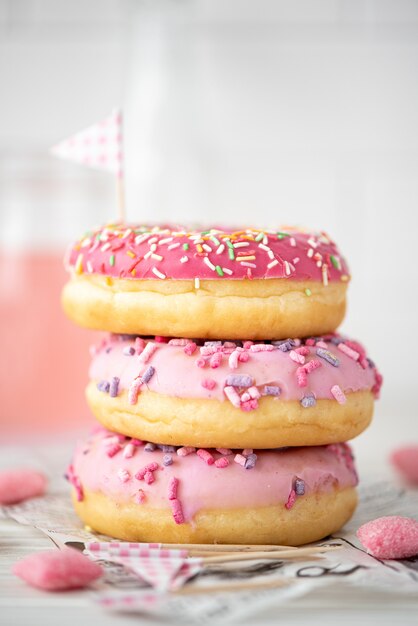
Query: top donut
215, 283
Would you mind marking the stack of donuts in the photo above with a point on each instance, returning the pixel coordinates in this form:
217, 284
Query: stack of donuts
224, 395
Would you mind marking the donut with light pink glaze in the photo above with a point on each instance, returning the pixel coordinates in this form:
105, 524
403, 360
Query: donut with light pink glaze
233, 394
140, 491
214, 283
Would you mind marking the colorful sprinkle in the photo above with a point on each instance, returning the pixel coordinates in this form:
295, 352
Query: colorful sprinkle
114, 387
239, 380
328, 356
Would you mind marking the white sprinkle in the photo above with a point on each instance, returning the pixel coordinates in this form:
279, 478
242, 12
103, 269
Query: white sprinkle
310, 253
319, 264
227, 271
206, 247
184, 259
153, 246
209, 263
272, 263
292, 242
197, 283
296, 260
233, 396
247, 264
127, 233
157, 257
265, 240
166, 240
197, 241
123, 475
142, 238
173, 246
129, 450
147, 352
241, 244
312, 243
263, 247
153, 240
220, 249
287, 268
325, 274
89, 267
148, 254
105, 247
158, 273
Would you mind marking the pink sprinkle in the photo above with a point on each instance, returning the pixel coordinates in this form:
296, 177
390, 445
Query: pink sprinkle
312, 365
297, 358
243, 357
185, 451
76, 483
233, 396
247, 344
250, 405
172, 488
136, 442
391, 537
129, 450
134, 390
208, 383
57, 570
147, 352
291, 500
149, 478
113, 449
261, 347
348, 351
230, 344
222, 462
177, 511
124, 475
224, 451
301, 377
216, 360
200, 362
303, 350
233, 359
206, 456
310, 342
322, 344
254, 393
139, 345
207, 350
190, 348
240, 459
151, 467
405, 460
161, 339
363, 362
140, 497
338, 394
20, 484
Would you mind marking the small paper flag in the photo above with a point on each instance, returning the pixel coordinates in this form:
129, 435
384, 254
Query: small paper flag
99, 146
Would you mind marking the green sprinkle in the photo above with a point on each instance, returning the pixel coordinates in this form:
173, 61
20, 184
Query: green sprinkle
229, 244
259, 237
281, 235
205, 232
308, 292
112, 260
185, 246
231, 253
334, 261
219, 270
215, 240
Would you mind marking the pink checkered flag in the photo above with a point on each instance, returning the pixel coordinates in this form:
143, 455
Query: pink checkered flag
164, 570
99, 146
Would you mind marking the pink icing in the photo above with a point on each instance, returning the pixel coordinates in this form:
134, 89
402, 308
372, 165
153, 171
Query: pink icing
200, 485
144, 252
180, 374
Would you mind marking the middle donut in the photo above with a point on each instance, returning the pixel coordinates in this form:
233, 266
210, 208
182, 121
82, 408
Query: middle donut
220, 394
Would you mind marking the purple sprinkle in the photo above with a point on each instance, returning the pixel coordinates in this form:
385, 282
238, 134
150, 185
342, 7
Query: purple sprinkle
250, 461
328, 356
271, 390
114, 387
336, 340
149, 447
148, 374
109, 349
104, 386
129, 351
299, 487
286, 345
167, 460
239, 380
308, 400
169, 449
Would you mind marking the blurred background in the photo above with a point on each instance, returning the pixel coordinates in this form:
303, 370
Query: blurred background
264, 112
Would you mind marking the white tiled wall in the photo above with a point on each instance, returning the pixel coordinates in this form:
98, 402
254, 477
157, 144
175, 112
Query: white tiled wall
265, 111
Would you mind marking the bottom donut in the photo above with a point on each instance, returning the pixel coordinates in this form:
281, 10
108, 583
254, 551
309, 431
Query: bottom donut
143, 492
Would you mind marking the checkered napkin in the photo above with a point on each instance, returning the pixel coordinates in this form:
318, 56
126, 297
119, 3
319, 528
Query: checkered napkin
164, 570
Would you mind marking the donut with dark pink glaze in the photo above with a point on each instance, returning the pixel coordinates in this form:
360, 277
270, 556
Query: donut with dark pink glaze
211, 283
